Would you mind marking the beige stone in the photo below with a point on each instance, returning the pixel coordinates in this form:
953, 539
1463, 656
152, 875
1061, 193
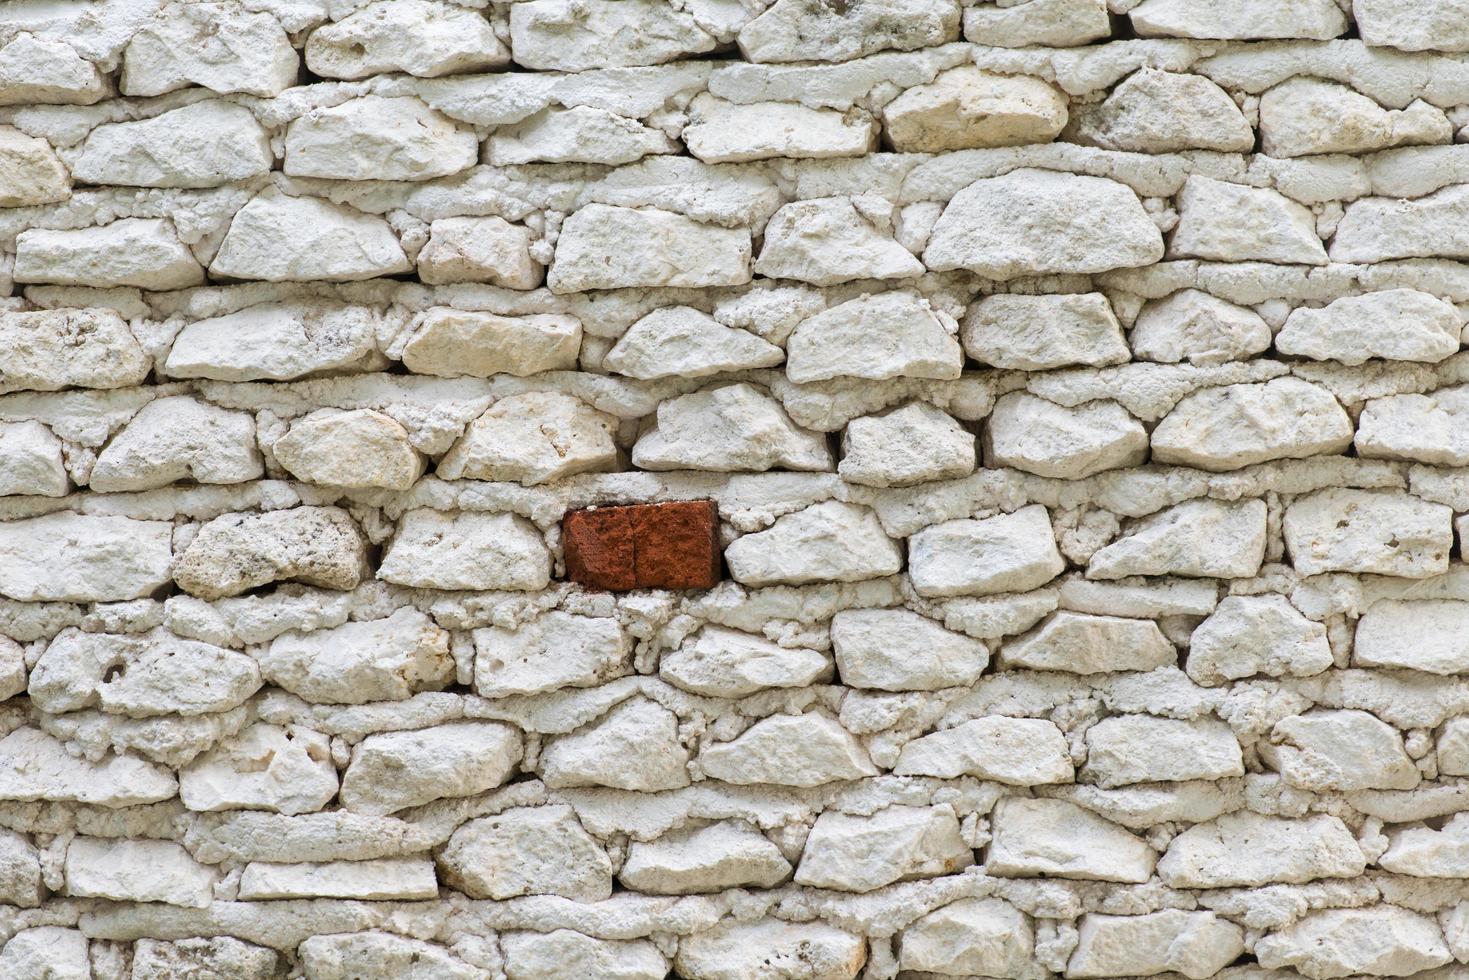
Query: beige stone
967, 108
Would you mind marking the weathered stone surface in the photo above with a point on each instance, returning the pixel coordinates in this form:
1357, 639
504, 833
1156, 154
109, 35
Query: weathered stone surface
280, 238
35, 69
899, 650
1195, 539
1235, 426
1125, 749
1249, 635
199, 145
1314, 19
795, 30
137, 871
276, 342
913, 444
605, 247
20, 871
546, 955
1247, 849
1190, 325
828, 240
1374, 229
736, 950
486, 249
220, 46
51, 349
1395, 324
540, 850
726, 663
266, 767
984, 937
1339, 750
1006, 553
679, 341
30, 173
420, 37
1226, 222
966, 108
1305, 115
1433, 26
1195, 944
83, 558
532, 438
31, 461
379, 955
857, 853
1155, 111
1424, 852
1018, 751
729, 854
141, 252
1423, 428
394, 770
177, 438
1041, 437
355, 448
454, 343
1062, 840
1431, 636
557, 649
634, 746
385, 659
581, 134
207, 959
35, 766
467, 550
1367, 532
788, 750
558, 35
230, 554
1079, 643
884, 335
376, 879
1379, 940
46, 953
726, 132
1037, 333
1048, 23
827, 542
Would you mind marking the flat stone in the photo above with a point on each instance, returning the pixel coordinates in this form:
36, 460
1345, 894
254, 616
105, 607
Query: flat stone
66, 557
1041, 437
1423, 428
726, 132
46, 350
1037, 333
966, 108
1006, 553
826, 542
46, 71
1452, 750
1318, 20
549, 955
46, 953
35, 766
1304, 116
1379, 940
1015, 751
141, 252
558, 35
680, 341
880, 336
1195, 944
728, 854
205, 958
1057, 839
1154, 111
466, 550
1224, 222
793, 30
1039, 23
1234, 426
672, 545
265, 767
734, 950
394, 770
1195, 539
1367, 532
724, 663
606, 247
530, 850
488, 249
899, 650
402, 879
1424, 852
219, 46
1079, 643
1394, 324
457, 343
825, 241
354, 448
418, 37
581, 134
788, 750
555, 650
1190, 325
276, 342
299, 239
236, 552
1434, 26
387, 659
635, 746
31, 461
178, 438
203, 144
1126, 749
913, 444
378, 956
1006, 227
1338, 750
1250, 635
137, 871
30, 173
1375, 229
1249, 850
857, 853
532, 438
985, 937
1427, 635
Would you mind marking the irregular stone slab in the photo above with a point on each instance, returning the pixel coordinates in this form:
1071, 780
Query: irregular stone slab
726, 132
634, 746
1248, 850
1193, 326
1375, 229
277, 342
965, 108
734, 950
1453, 747
30, 173
265, 767
455, 343
1041, 437
605, 247
350, 956
1427, 635
1037, 333
35, 766
202, 144
177, 438
1195, 944
388, 659
1249, 635
1422, 428
37, 70
825, 241
1125, 749
67, 557
1424, 852
985, 937
790, 30
1058, 839
487, 249
1040, 23
680, 341
46, 350
1432, 26
1010, 226
1306, 115
546, 955
394, 770
788, 750
725, 663
1154, 111
141, 252
418, 37
403, 879
1338, 750
1226, 222
899, 650
217, 956
1017, 751
557, 649
557, 35
46, 953
913, 444
137, 871
355, 448
733, 428
827, 542
880, 336
1194, 539
1367, 532
729, 854
299, 239
20, 871
857, 853
581, 134
1394, 324
236, 552
1379, 940
466, 550
1005, 553
532, 438
1228, 428
376, 138
1317, 20
527, 850
1082, 644
220, 46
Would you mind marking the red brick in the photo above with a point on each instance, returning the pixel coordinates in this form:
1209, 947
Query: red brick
644, 546
599, 548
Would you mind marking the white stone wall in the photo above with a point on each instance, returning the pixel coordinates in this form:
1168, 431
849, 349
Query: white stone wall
1080, 389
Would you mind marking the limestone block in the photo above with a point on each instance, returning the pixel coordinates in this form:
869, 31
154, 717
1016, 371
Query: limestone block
1317, 20
202, 144
30, 173
532, 438
66, 557
827, 240
1154, 111
1306, 115
682, 342
899, 650
1226, 222
1194, 539
317, 545
403, 879
1248, 850
1080, 643
735, 950
266, 767
46, 953
980, 937
1065, 443
1228, 428
634, 746
1017, 751
726, 132
1250, 635
1379, 940
606, 247
48, 71
12, 668
1367, 532
729, 854
564, 952
1394, 324
857, 853
20, 871
1037, 333
454, 343
826, 542
420, 37
1426, 428
137, 871
581, 134
1190, 325
555, 650
298, 239
141, 252
1424, 852
1125, 749
35, 766
1062, 840
394, 770
376, 138
880, 336
46, 350
1010, 226
725, 663
488, 249
1006, 553
1338, 750
913, 444
562, 35
30, 461
177, 438
220, 46
1428, 25
788, 750
355, 448
466, 550
1044, 23
532, 850
1374, 229
207, 959
387, 659
1195, 944
380, 956
1453, 747
276, 342
965, 108
793, 30
1426, 635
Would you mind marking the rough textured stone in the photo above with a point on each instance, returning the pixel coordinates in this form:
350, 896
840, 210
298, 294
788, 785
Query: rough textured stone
886, 335
542, 956
557, 650
280, 238
35, 766
581, 134
357, 448
1050, 23
374, 138
913, 444
1433, 26
788, 750
858, 853
1062, 840
1017, 751
1006, 553
1249, 635
177, 438
454, 343
199, 145
141, 252
526, 851
1247, 849
635, 746
1238, 425
1193, 326
827, 542
604, 247
679, 341
479, 250
1155, 111
557, 35
420, 37
1037, 333
46, 953
276, 342
1083, 644
1340, 750
533, 438
1315, 19
1196, 539
284, 770
1431, 636
729, 854
435, 550
1195, 944
1367, 531
1381, 940
736, 950
1305, 116
898, 650
207, 959
52, 349
230, 554
796, 30
221, 46
31, 461
394, 770
371, 954
1395, 324
725, 663
725, 132
49, 71
1127, 749
82, 558
984, 937
1226, 222
828, 241
136, 871
30, 173
385, 659
1047, 439
966, 108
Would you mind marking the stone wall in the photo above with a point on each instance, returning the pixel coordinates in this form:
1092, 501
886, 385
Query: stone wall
1079, 395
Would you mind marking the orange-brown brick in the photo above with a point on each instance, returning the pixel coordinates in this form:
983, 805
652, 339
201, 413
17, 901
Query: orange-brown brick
644, 546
